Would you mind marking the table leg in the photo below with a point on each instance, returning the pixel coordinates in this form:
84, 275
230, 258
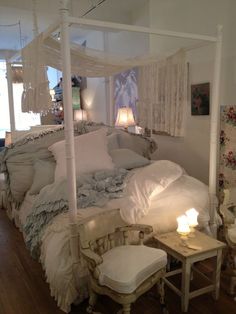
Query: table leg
185, 284
216, 275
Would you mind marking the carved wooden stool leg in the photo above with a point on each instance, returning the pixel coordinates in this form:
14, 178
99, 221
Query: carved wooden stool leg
232, 285
92, 302
126, 308
161, 291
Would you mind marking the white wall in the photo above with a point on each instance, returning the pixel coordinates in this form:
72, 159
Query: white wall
201, 16
121, 45
94, 95
129, 44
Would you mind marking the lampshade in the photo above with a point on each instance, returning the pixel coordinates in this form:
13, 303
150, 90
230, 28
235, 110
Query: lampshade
125, 117
80, 114
183, 226
192, 215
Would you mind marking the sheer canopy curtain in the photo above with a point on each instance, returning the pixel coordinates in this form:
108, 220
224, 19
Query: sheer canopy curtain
36, 96
163, 95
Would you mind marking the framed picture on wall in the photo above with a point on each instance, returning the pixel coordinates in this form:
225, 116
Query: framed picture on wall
200, 99
126, 90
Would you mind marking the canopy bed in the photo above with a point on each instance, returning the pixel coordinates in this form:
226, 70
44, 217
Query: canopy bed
48, 144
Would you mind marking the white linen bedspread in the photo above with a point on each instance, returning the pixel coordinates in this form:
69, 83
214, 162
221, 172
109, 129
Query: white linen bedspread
57, 261
144, 185
183, 193
169, 193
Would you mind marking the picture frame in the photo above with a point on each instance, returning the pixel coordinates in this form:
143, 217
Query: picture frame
200, 99
126, 91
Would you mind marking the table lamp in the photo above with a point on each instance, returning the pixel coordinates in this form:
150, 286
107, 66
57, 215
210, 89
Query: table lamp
125, 117
192, 215
80, 115
183, 228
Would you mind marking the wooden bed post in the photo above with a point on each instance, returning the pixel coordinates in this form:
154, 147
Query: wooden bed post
69, 128
214, 137
10, 96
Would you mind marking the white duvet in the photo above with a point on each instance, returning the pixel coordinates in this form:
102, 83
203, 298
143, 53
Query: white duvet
155, 195
144, 186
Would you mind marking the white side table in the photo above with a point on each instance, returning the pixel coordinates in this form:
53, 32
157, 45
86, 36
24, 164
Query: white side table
207, 247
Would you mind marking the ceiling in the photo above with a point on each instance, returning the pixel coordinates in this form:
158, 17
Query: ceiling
17, 16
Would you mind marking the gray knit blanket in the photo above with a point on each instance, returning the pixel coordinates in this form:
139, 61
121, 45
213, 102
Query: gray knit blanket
92, 190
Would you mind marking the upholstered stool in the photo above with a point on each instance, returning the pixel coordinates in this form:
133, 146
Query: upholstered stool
117, 269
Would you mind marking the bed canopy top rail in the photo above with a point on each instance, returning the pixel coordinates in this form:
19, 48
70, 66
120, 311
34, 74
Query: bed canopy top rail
117, 26
138, 29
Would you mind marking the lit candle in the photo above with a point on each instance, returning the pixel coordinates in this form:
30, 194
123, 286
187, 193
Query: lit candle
192, 215
183, 226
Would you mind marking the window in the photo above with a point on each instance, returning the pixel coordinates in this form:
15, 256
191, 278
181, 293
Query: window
23, 121
4, 110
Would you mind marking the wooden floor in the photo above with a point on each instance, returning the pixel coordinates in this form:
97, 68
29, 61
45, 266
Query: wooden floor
23, 289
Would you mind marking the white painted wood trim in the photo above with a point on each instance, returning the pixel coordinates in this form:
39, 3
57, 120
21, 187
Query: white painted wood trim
67, 103
10, 97
15, 57
69, 129
124, 27
214, 132
200, 291
52, 28
35, 19
139, 29
111, 101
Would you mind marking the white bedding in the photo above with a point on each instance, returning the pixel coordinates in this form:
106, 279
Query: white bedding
166, 198
144, 185
186, 192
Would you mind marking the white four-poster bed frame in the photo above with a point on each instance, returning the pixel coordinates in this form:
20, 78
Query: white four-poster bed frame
64, 23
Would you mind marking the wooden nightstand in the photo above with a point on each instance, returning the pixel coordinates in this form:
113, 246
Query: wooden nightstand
207, 248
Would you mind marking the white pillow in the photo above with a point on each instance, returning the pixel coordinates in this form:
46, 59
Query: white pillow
90, 154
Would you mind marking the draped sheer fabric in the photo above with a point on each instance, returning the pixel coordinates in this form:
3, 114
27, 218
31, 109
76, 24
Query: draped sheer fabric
85, 62
36, 97
88, 62
163, 95
162, 84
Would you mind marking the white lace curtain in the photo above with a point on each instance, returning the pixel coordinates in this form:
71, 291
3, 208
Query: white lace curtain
84, 62
36, 96
163, 95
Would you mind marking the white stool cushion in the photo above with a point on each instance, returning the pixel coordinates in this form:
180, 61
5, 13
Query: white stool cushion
125, 267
